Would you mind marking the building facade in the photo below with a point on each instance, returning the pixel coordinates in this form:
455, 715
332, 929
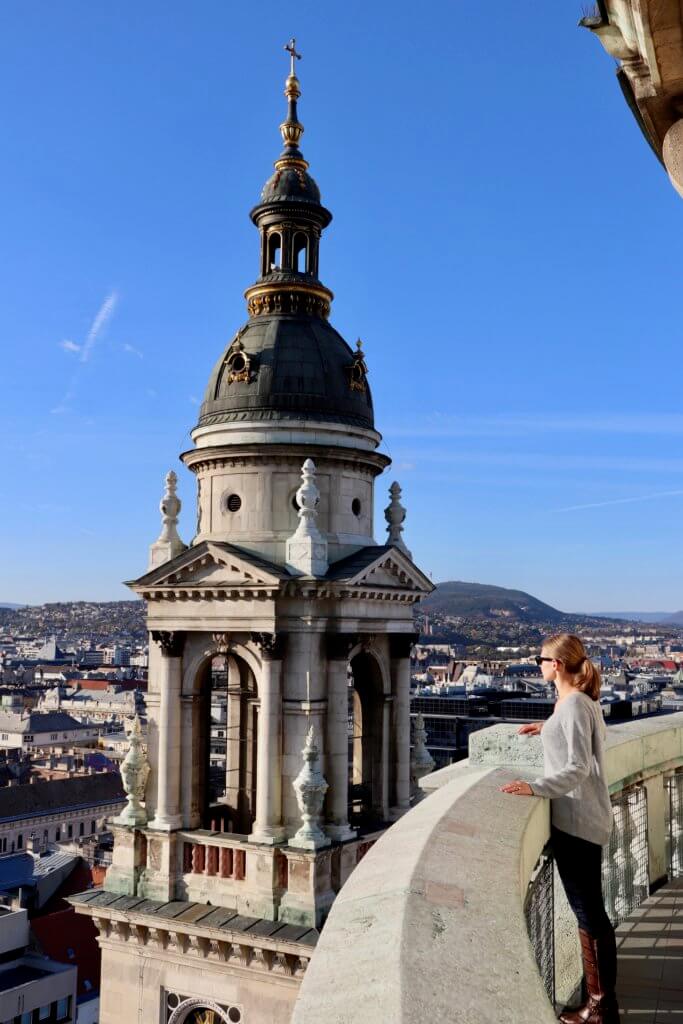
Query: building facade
58, 811
219, 898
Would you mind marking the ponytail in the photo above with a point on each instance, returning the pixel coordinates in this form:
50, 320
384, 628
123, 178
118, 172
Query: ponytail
588, 679
569, 649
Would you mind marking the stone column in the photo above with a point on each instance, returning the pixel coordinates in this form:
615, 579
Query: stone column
233, 734
656, 797
167, 816
337, 763
399, 648
268, 826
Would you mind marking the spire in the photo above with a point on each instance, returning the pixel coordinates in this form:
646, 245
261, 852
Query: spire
307, 548
290, 219
291, 129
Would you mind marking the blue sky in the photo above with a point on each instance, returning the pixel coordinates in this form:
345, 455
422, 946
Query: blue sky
503, 241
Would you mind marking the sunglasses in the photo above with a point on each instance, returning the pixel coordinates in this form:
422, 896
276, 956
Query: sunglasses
539, 660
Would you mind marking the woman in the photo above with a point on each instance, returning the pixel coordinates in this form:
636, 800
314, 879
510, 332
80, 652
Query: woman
581, 813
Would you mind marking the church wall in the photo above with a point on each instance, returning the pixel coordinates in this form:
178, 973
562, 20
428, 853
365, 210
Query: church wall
138, 983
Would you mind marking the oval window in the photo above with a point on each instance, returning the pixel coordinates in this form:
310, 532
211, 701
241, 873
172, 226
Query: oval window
356, 507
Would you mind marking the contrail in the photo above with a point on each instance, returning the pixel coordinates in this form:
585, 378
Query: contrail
620, 501
99, 323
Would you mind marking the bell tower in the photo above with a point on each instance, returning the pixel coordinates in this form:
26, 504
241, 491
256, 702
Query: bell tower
278, 737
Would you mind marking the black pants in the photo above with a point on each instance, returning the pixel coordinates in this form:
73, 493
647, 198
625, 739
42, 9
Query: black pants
579, 866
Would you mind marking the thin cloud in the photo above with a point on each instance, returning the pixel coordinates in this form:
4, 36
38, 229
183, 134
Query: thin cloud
194, 400
102, 317
133, 350
620, 501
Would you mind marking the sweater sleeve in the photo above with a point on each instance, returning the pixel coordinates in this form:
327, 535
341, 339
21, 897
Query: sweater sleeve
577, 727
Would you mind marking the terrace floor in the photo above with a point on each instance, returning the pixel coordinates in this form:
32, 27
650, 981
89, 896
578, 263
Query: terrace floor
650, 951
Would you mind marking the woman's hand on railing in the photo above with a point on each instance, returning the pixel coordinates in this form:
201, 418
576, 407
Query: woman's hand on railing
517, 788
530, 729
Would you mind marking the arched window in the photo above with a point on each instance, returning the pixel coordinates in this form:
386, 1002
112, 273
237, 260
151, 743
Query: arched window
300, 253
274, 251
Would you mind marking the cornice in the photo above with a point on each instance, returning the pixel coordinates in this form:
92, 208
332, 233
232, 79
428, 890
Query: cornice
198, 459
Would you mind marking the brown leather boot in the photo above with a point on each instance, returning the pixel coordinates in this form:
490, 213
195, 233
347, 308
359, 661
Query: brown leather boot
600, 971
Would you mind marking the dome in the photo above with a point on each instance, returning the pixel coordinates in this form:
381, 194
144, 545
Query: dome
290, 183
288, 367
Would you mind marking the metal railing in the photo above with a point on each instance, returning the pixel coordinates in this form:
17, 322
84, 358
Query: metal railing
539, 911
625, 875
674, 823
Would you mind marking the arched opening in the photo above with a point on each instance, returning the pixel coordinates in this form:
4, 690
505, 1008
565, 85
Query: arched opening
300, 253
366, 703
227, 745
274, 251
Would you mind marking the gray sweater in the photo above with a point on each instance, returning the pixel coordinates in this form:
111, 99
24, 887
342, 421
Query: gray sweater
574, 769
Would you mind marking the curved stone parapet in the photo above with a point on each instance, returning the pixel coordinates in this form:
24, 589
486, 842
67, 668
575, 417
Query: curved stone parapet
431, 924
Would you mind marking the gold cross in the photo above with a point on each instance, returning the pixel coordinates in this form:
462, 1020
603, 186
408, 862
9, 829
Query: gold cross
290, 47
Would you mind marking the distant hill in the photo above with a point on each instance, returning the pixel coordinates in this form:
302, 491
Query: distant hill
478, 600
6, 604
673, 620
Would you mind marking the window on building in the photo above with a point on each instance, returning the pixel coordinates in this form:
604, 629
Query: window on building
45, 834
70, 831
93, 826
20, 841
27, 1017
5, 736
45, 1012
81, 829
64, 1008
54, 735
58, 835
274, 251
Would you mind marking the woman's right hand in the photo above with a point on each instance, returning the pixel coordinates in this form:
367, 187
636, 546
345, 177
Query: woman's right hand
530, 729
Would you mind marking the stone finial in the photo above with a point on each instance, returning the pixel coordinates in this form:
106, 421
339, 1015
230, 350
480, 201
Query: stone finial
134, 774
169, 543
310, 788
307, 548
395, 515
421, 761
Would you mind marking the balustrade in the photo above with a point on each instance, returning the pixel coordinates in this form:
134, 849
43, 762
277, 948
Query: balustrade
213, 856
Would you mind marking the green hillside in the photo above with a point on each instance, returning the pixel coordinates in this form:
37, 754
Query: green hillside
477, 600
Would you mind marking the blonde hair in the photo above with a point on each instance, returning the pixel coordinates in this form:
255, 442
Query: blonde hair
568, 648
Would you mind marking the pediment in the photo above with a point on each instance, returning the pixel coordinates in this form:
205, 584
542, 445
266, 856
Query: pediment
390, 568
211, 565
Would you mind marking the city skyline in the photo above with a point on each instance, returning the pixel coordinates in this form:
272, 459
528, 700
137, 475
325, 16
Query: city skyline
474, 254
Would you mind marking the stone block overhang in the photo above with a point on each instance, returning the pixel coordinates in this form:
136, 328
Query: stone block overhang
645, 37
216, 570
217, 933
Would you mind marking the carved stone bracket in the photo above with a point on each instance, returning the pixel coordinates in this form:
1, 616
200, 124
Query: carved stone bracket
339, 645
171, 643
401, 643
271, 645
221, 642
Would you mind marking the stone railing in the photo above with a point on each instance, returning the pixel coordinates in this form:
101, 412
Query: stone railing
213, 853
454, 915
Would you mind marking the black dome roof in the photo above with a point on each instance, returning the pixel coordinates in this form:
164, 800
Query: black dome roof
291, 183
298, 368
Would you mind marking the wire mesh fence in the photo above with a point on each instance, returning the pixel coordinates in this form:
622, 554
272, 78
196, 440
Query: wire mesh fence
674, 823
539, 911
625, 878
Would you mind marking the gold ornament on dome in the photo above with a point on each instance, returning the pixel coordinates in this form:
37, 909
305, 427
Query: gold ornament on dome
238, 363
358, 370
